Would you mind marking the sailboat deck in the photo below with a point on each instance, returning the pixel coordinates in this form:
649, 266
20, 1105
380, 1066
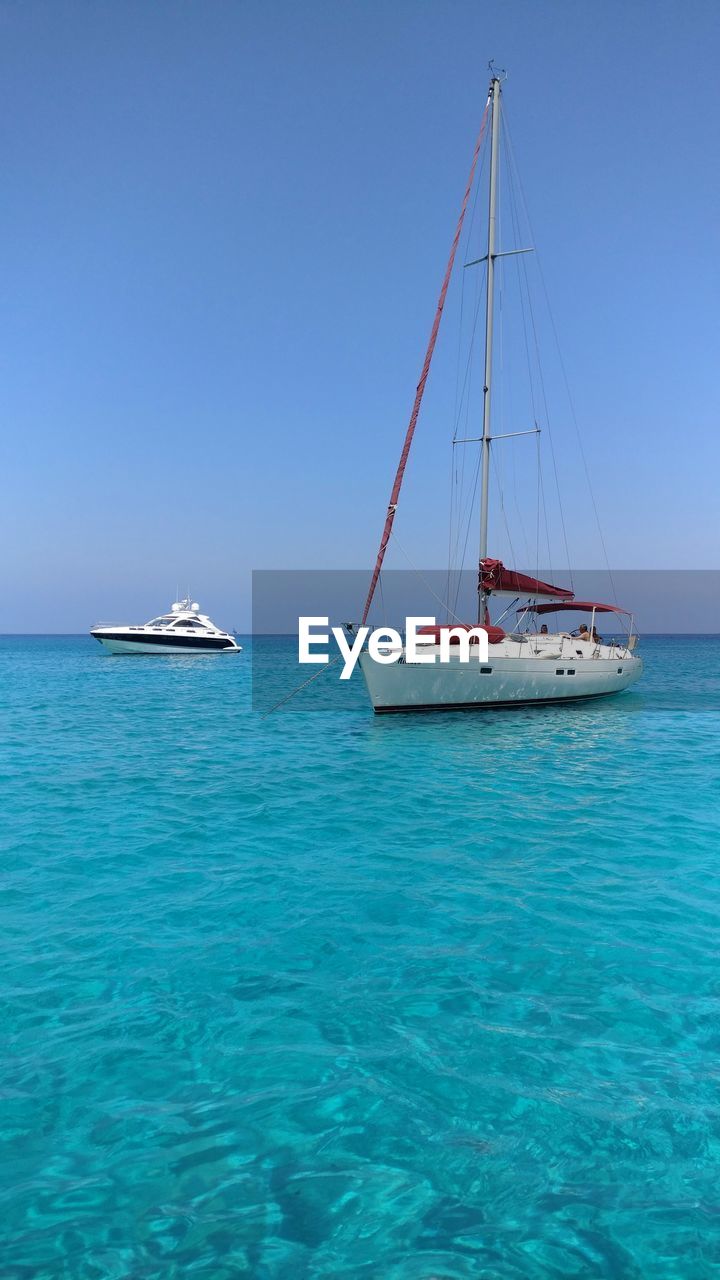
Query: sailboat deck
548, 647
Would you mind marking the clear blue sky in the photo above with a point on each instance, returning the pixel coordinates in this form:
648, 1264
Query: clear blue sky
223, 228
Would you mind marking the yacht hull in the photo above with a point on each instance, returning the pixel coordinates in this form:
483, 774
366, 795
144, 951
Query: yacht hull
501, 682
183, 645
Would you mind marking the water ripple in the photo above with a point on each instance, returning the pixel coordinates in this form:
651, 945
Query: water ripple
325, 996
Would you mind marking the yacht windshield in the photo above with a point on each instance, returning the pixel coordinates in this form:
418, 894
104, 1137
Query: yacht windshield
161, 622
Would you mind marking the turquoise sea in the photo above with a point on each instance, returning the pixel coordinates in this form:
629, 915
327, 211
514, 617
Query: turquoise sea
328, 995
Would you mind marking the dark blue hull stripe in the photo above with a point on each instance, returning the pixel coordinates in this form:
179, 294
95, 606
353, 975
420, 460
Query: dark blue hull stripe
168, 641
494, 706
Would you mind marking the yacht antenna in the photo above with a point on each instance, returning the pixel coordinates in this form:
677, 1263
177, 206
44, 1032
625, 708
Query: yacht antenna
489, 306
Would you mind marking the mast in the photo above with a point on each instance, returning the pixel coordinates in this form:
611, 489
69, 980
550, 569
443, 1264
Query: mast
489, 307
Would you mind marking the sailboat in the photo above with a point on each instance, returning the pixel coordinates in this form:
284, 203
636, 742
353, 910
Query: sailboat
529, 664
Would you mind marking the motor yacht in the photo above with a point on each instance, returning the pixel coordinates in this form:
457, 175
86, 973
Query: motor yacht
183, 630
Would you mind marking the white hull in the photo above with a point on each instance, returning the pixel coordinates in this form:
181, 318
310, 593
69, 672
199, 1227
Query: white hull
505, 680
137, 646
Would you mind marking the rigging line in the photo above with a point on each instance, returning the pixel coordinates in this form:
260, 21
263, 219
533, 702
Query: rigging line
518, 513
514, 172
467, 378
455, 416
515, 220
465, 516
501, 618
537, 518
456, 568
570, 401
464, 506
549, 431
496, 473
516, 229
550, 436
455, 516
410, 432
551, 570
304, 685
451, 530
517, 240
467, 391
547, 530
450, 524
498, 411
458, 482
471, 508
453, 485
473, 209
468, 236
496, 460
541, 498
582, 450
459, 347
467, 381
453, 460
467, 384
464, 521
424, 581
512, 455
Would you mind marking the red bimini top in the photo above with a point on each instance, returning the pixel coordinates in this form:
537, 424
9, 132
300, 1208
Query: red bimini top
494, 634
573, 606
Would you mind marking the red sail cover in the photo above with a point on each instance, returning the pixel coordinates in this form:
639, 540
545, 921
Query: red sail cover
495, 577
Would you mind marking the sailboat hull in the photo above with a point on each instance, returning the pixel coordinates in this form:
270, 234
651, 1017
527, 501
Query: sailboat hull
501, 682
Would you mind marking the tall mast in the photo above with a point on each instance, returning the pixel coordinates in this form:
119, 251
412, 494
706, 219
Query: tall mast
489, 306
